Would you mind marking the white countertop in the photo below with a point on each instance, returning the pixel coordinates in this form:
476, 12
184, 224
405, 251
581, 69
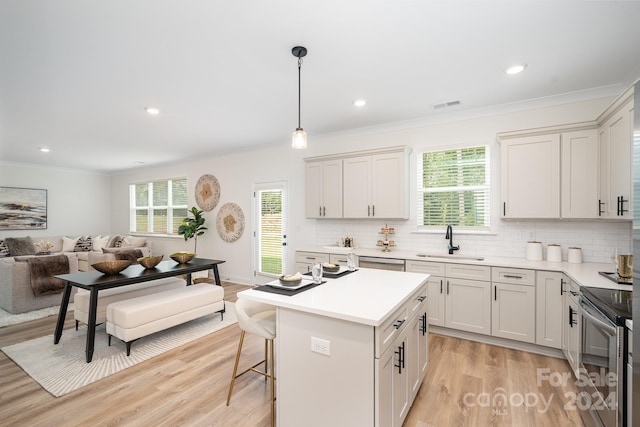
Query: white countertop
585, 274
365, 296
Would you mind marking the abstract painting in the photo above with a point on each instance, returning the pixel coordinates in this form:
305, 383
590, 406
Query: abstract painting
23, 208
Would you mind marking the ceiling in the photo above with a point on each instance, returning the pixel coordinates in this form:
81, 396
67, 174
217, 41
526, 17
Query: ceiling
76, 76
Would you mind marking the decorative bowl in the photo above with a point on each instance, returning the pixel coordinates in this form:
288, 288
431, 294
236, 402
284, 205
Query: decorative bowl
150, 261
330, 268
290, 280
182, 257
111, 267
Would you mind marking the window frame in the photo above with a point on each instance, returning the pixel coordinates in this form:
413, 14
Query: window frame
421, 190
150, 207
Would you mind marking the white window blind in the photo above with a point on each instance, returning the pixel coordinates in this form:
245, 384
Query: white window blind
270, 229
158, 206
453, 188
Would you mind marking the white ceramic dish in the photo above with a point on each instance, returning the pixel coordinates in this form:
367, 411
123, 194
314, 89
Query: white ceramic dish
303, 283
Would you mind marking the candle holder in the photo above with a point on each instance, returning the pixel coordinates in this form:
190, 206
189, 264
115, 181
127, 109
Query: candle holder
386, 244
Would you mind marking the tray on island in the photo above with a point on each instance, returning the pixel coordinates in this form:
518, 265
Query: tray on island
277, 284
333, 275
287, 290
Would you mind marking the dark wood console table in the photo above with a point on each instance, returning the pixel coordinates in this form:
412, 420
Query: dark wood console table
94, 281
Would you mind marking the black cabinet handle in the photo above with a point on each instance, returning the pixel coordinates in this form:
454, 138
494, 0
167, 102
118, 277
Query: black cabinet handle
423, 329
368, 210
447, 287
400, 354
373, 210
495, 293
422, 298
511, 276
600, 211
398, 323
319, 210
440, 285
571, 313
621, 209
504, 209
324, 211
561, 286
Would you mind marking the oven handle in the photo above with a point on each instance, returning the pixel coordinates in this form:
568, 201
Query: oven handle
587, 311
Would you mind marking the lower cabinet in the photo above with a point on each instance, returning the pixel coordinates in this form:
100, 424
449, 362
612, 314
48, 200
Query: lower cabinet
403, 364
435, 300
513, 303
573, 324
549, 308
468, 305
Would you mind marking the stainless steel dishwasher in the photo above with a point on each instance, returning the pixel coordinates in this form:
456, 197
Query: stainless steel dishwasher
381, 263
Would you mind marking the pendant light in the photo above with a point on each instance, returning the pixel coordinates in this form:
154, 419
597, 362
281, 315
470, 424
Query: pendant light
299, 139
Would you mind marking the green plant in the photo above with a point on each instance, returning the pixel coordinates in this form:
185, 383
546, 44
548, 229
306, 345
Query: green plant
192, 227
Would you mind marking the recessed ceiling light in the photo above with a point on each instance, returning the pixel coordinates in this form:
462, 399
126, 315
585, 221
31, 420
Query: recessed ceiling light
359, 102
44, 149
515, 69
152, 110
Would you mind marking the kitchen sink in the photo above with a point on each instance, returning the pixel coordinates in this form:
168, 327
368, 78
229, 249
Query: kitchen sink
447, 256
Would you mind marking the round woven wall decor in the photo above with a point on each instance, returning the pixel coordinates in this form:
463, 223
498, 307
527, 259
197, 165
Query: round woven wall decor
230, 222
207, 192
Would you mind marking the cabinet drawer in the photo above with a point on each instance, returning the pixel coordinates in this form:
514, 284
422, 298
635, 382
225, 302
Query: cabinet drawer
465, 271
340, 259
311, 257
418, 301
516, 276
427, 267
395, 324
303, 267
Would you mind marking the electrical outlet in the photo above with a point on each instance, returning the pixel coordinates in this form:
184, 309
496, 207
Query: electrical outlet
321, 346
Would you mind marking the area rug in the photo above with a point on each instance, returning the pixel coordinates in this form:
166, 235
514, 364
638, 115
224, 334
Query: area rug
62, 368
7, 318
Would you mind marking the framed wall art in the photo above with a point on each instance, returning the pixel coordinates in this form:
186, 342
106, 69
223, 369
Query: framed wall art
23, 208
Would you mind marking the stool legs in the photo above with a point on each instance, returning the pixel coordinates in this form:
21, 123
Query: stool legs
269, 372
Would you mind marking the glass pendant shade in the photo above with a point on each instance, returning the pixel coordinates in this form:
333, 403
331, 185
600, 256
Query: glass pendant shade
299, 139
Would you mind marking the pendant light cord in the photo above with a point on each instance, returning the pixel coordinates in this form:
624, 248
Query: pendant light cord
299, 66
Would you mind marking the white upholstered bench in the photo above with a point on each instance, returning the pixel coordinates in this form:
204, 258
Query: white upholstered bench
108, 296
134, 318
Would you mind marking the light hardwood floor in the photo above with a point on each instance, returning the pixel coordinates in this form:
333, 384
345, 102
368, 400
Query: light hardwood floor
188, 386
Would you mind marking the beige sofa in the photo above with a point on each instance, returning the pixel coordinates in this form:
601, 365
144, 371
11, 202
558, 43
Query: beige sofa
16, 295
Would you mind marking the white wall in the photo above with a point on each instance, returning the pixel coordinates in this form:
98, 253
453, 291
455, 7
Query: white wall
77, 202
80, 203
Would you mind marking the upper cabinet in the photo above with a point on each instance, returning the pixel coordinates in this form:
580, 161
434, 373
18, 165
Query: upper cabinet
373, 184
581, 170
615, 140
323, 189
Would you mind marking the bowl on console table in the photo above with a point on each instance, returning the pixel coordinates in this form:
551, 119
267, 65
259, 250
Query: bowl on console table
182, 257
150, 261
111, 267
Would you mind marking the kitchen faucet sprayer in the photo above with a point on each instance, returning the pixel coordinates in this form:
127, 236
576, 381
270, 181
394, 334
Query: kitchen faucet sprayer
449, 236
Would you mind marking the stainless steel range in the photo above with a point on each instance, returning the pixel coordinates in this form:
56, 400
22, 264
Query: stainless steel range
603, 355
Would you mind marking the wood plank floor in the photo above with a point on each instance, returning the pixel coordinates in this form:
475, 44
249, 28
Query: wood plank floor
188, 386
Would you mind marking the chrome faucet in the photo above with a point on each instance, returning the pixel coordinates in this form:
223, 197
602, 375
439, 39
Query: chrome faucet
449, 236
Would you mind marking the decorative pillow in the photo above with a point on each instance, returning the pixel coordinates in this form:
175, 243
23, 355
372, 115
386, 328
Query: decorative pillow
20, 246
100, 242
133, 242
84, 244
69, 244
4, 250
113, 241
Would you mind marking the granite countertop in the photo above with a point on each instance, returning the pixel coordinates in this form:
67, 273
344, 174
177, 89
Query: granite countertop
342, 298
585, 274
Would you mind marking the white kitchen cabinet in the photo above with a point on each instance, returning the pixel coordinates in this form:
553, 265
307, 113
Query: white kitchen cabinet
615, 144
419, 346
376, 186
339, 259
394, 383
468, 305
304, 260
565, 281
549, 308
323, 189
530, 177
579, 174
574, 326
513, 312
435, 288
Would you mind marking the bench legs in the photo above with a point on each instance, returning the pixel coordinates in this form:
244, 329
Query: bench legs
127, 343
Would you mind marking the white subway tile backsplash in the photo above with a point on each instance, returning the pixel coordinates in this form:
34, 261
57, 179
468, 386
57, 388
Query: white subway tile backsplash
597, 239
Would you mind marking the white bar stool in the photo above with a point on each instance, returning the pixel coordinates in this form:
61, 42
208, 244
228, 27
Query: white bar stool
258, 319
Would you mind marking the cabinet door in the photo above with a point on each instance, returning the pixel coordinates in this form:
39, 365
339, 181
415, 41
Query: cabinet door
579, 191
615, 142
468, 305
419, 352
565, 315
549, 308
435, 300
530, 177
513, 312
574, 335
388, 186
392, 392
313, 190
332, 189
357, 187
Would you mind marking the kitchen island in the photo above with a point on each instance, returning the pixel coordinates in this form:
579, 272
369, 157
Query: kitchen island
352, 351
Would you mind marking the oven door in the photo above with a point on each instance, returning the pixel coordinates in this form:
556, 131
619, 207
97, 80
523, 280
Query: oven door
600, 373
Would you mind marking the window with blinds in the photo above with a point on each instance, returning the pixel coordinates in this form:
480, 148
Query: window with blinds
158, 206
453, 188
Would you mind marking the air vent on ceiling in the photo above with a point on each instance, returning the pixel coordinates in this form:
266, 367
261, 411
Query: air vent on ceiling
446, 104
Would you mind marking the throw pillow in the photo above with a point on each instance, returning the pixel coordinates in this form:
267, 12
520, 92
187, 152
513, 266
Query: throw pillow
133, 242
69, 244
4, 250
100, 242
84, 244
113, 241
20, 246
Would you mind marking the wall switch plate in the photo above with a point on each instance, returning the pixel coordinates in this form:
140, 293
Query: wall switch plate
321, 346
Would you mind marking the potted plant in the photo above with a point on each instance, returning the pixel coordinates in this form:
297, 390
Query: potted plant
192, 227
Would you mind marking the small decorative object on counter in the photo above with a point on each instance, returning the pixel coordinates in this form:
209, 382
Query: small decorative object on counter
386, 243
348, 242
554, 253
534, 251
574, 255
316, 273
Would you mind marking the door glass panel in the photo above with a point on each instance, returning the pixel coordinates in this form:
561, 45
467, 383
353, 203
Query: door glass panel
270, 231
